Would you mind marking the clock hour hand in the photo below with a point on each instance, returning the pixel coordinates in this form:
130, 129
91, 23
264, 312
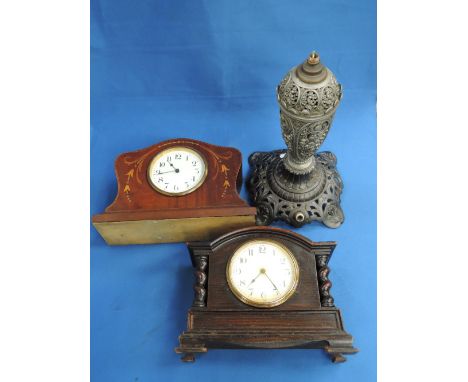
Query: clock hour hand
255, 278
176, 169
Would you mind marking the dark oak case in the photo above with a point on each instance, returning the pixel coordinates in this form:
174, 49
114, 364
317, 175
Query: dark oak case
309, 319
141, 215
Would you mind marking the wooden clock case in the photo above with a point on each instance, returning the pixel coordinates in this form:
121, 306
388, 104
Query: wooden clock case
308, 319
141, 215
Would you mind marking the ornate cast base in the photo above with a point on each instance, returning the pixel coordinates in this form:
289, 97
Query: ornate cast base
296, 199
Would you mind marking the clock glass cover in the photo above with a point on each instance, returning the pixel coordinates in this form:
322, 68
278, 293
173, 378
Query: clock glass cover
177, 171
262, 273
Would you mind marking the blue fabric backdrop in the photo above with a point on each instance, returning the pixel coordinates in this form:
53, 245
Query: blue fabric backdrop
208, 70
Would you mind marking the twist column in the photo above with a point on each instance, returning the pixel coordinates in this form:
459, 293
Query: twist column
324, 283
201, 264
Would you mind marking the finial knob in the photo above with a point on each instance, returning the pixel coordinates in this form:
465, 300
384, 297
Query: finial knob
314, 58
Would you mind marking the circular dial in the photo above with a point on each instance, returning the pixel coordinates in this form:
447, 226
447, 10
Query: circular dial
177, 171
262, 273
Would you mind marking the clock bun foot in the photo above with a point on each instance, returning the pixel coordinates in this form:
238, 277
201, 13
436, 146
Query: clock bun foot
188, 350
337, 358
188, 357
336, 350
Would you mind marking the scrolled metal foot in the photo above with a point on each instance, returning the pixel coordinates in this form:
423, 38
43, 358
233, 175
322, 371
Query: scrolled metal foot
333, 216
265, 214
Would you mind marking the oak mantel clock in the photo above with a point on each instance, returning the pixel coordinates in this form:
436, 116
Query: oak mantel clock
263, 288
177, 190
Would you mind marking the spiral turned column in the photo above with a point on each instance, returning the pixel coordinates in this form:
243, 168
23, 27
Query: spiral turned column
201, 264
324, 283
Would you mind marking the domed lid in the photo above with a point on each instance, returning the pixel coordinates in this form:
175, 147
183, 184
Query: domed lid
312, 71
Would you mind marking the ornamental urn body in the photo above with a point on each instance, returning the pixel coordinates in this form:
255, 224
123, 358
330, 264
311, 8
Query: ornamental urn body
307, 96
300, 185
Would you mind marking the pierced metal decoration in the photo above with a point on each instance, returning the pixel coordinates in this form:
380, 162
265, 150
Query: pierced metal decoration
299, 185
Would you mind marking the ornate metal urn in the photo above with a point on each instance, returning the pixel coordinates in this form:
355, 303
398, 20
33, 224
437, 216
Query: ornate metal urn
299, 185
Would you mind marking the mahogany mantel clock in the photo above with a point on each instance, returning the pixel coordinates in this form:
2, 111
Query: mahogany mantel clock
177, 190
263, 288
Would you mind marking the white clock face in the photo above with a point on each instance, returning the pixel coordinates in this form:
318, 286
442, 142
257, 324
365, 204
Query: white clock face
262, 273
177, 171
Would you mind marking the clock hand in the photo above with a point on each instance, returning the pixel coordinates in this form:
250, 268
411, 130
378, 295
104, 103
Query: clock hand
255, 278
165, 172
176, 169
270, 280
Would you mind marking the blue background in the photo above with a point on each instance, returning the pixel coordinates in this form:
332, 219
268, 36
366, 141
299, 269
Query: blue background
208, 70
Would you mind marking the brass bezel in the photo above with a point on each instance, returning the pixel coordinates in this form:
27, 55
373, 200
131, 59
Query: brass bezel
164, 152
268, 304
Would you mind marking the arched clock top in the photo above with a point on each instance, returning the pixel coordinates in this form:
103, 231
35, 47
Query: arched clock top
324, 248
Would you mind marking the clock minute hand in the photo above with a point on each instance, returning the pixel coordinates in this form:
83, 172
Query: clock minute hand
165, 172
272, 283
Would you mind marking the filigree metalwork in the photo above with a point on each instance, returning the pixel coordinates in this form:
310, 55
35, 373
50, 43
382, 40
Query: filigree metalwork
325, 284
309, 102
314, 100
287, 129
295, 199
306, 114
299, 185
291, 94
201, 264
303, 138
